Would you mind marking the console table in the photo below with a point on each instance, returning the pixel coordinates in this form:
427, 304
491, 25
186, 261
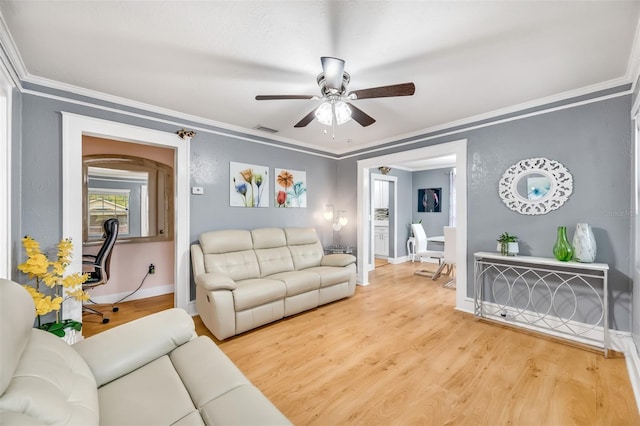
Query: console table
564, 299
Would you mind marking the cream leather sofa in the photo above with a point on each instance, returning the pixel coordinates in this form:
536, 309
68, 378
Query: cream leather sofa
245, 279
152, 371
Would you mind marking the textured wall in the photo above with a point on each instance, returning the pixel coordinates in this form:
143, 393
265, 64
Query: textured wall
39, 184
594, 142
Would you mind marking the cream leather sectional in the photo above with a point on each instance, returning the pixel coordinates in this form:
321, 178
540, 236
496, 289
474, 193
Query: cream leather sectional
245, 279
151, 371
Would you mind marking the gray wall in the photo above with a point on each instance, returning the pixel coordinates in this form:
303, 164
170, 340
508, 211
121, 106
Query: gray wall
593, 141
38, 184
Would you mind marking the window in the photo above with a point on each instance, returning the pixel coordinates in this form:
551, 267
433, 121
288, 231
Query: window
105, 204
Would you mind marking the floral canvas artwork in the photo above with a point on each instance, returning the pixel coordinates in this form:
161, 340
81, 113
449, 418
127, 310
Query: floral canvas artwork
249, 185
291, 188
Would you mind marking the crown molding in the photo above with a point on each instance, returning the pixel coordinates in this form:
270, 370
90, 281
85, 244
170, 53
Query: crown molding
12, 60
541, 103
633, 65
9, 55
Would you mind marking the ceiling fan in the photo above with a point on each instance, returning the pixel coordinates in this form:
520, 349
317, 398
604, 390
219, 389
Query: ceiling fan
336, 108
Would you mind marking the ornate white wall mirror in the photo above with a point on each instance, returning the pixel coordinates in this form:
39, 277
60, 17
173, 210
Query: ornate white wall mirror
535, 186
137, 191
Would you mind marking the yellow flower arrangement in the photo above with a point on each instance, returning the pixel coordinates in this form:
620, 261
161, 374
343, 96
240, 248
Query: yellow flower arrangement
51, 274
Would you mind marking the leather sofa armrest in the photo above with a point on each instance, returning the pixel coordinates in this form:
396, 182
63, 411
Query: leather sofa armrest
215, 281
338, 259
121, 350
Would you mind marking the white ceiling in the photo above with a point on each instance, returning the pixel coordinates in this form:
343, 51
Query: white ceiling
210, 58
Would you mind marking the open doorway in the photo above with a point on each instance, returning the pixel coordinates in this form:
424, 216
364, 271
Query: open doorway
383, 226
74, 128
457, 148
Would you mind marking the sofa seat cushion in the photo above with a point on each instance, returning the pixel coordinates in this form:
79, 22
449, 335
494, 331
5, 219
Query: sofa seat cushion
330, 275
218, 388
239, 407
257, 291
151, 395
298, 281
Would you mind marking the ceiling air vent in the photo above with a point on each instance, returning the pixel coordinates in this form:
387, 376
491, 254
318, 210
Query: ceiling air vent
265, 129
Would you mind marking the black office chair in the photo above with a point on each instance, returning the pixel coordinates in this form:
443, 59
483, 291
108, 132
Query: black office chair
101, 263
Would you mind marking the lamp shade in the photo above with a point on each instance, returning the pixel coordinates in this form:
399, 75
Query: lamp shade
342, 112
328, 211
330, 110
324, 114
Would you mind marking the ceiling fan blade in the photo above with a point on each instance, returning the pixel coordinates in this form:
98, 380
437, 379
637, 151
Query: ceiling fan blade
307, 119
276, 97
404, 89
333, 69
360, 116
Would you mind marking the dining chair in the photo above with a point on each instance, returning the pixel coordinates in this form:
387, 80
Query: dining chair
421, 248
449, 260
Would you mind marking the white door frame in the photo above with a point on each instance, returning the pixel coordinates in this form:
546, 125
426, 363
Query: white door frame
73, 128
459, 148
6, 106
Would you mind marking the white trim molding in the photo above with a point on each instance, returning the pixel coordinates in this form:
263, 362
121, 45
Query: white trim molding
6, 142
73, 128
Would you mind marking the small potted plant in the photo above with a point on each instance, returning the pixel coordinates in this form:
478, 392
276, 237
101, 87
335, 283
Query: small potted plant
508, 244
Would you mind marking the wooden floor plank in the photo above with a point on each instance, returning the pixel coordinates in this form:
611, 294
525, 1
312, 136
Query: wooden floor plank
397, 353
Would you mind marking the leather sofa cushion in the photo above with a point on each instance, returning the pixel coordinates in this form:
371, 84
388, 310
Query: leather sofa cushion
51, 384
274, 260
298, 281
229, 240
330, 275
255, 292
215, 375
307, 255
235, 408
151, 395
300, 236
268, 238
239, 265
15, 303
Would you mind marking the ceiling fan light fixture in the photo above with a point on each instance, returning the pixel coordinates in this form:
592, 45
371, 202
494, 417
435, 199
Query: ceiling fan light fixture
329, 110
342, 112
324, 114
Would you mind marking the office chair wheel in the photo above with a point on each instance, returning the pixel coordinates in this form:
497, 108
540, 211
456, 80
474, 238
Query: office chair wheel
105, 320
115, 309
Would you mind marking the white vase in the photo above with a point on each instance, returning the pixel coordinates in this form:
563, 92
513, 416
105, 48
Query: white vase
584, 244
512, 249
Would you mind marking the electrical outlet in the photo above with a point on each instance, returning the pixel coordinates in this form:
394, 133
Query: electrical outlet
152, 269
507, 314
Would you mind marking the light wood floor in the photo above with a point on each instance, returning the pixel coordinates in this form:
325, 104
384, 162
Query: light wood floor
397, 353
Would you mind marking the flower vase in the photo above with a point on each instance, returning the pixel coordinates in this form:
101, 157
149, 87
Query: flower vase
562, 249
584, 244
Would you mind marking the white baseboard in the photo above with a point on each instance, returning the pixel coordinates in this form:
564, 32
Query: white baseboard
140, 294
633, 367
191, 308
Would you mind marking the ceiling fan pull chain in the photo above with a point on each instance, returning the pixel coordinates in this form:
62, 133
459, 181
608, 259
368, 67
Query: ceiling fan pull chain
333, 120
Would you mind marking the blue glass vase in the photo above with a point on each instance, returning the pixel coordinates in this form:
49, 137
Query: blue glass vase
562, 250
